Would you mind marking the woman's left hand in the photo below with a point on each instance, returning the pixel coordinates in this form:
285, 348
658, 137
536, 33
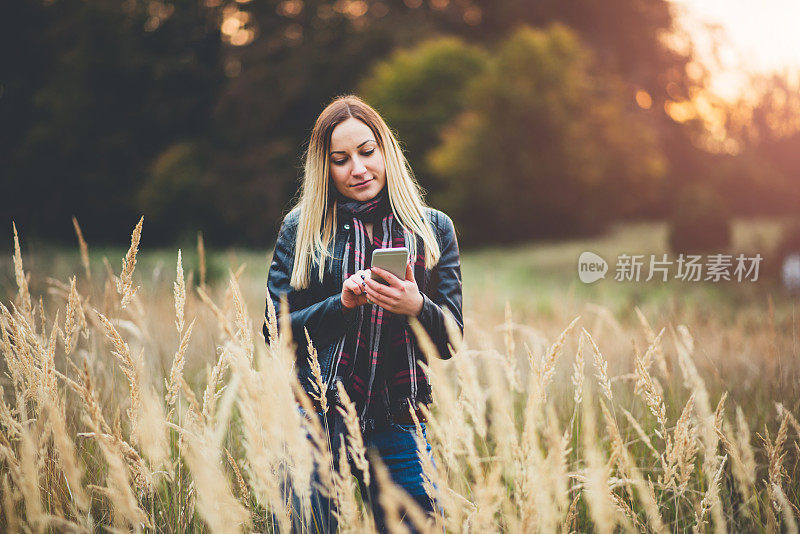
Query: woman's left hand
400, 296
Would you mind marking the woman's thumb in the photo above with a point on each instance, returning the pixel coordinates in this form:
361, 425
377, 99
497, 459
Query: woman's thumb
410, 271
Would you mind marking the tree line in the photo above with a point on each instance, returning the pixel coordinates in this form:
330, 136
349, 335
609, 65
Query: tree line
521, 119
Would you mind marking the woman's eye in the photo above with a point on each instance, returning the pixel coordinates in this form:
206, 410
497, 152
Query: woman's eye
339, 161
368, 152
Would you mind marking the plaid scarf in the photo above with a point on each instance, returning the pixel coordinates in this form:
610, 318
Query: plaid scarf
378, 357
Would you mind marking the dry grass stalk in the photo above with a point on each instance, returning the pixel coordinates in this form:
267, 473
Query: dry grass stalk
568, 524
194, 406
639, 431
743, 440
783, 412
601, 367
220, 510
29, 478
318, 385
395, 502
84, 248
679, 452
510, 360
22, 282
179, 293
210, 395
244, 492
66, 451
429, 475
132, 368
651, 395
271, 320
647, 358
775, 455
596, 487
742, 477
347, 509
578, 372
786, 507
321, 447
125, 281
424, 341
646, 493
472, 397
548, 369
244, 334
176, 371
127, 513
222, 320
617, 443
557, 445
201, 259
711, 496
355, 442
454, 336
502, 427
10, 499
654, 341
75, 319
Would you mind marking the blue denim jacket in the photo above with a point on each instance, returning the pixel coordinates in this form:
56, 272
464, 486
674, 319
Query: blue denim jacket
318, 307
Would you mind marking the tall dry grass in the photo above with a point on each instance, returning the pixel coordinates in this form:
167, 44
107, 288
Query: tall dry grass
132, 409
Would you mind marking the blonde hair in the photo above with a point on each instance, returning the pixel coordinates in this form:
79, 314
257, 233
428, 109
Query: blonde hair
317, 203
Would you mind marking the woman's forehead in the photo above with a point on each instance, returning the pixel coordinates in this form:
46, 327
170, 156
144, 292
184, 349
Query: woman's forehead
350, 134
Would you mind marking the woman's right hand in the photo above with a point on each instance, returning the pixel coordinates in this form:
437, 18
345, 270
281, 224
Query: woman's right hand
353, 292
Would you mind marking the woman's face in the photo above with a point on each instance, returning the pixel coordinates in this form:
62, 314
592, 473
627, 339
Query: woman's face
356, 161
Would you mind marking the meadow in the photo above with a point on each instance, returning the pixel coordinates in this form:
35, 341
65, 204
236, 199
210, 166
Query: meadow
139, 395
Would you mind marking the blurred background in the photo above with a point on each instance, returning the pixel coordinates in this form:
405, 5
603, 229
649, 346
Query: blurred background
523, 120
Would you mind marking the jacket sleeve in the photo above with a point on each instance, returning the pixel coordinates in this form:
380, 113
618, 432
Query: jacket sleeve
324, 318
444, 290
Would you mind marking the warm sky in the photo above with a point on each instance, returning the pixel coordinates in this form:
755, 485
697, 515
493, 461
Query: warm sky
758, 36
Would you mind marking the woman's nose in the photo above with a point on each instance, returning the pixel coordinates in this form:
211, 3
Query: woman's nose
358, 167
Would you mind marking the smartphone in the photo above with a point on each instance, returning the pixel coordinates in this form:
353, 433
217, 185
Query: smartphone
393, 260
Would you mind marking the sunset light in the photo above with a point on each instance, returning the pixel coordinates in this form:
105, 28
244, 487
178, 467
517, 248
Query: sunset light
736, 38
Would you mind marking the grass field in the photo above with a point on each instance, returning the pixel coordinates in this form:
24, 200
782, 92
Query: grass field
613, 406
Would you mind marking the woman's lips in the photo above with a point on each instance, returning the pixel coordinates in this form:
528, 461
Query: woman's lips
362, 184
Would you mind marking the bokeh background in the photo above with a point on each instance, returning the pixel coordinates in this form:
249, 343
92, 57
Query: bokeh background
523, 120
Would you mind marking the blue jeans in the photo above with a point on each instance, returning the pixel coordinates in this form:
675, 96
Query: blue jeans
397, 447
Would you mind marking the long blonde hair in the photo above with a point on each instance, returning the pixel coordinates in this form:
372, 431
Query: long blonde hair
317, 203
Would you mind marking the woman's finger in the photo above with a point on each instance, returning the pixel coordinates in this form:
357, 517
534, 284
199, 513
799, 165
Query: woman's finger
386, 275
352, 286
381, 289
380, 301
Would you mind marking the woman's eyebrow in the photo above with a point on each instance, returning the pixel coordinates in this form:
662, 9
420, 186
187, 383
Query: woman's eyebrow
359, 146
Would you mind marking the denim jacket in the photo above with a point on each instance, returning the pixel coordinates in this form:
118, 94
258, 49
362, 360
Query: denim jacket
318, 308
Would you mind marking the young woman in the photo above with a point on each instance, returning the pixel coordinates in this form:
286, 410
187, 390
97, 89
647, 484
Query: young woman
358, 195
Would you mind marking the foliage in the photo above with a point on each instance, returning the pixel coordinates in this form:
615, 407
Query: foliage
546, 145
419, 91
107, 87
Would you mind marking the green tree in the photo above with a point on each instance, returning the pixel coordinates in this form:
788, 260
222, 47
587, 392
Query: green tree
111, 85
420, 90
547, 146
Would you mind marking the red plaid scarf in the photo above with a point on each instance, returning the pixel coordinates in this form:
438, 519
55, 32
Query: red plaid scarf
379, 355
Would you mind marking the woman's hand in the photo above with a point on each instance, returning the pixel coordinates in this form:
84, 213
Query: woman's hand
353, 292
400, 296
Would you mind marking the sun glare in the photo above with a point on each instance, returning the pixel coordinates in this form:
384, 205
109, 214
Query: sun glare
745, 36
